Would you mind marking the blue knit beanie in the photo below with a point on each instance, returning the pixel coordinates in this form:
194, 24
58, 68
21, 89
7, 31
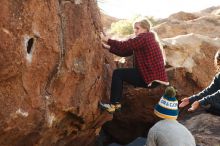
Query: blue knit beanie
167, 108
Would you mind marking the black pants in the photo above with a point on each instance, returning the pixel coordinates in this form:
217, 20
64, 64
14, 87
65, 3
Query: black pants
129, 75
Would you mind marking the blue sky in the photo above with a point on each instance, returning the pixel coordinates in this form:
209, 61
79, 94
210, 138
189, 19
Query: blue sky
156, 8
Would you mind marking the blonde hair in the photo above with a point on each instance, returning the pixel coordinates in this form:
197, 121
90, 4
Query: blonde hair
217, 60
144, 23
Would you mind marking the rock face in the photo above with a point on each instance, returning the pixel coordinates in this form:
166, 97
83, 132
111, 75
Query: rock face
204, 127
208, 25
195, 53
107, 20
51, 74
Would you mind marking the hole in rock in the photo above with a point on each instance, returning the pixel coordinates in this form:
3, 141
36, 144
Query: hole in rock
30, 45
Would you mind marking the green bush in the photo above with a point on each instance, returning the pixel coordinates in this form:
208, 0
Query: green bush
125, 27
122, 27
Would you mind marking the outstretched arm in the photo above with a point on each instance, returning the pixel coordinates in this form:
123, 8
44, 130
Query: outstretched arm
117, 50
211, 89
207, 96
210, 99
135, 43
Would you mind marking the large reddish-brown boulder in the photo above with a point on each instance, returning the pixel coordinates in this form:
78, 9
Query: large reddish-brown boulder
53, 72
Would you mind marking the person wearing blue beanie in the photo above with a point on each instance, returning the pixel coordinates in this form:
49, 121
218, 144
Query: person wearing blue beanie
168, 131
167, 108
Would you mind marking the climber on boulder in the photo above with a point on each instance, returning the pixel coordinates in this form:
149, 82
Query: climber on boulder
149, 69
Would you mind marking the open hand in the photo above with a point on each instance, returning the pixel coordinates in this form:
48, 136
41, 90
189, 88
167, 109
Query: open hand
194, 106
185, 102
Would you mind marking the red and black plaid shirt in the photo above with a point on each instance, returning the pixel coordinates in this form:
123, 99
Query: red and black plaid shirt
148, 56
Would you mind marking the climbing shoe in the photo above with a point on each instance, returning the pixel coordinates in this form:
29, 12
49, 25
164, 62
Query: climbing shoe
117, 106
111, 108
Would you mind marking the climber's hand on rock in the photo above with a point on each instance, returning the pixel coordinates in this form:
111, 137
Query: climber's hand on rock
105, 46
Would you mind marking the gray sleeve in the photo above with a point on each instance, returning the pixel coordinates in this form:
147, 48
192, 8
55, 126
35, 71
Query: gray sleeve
151, 138
211, 89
